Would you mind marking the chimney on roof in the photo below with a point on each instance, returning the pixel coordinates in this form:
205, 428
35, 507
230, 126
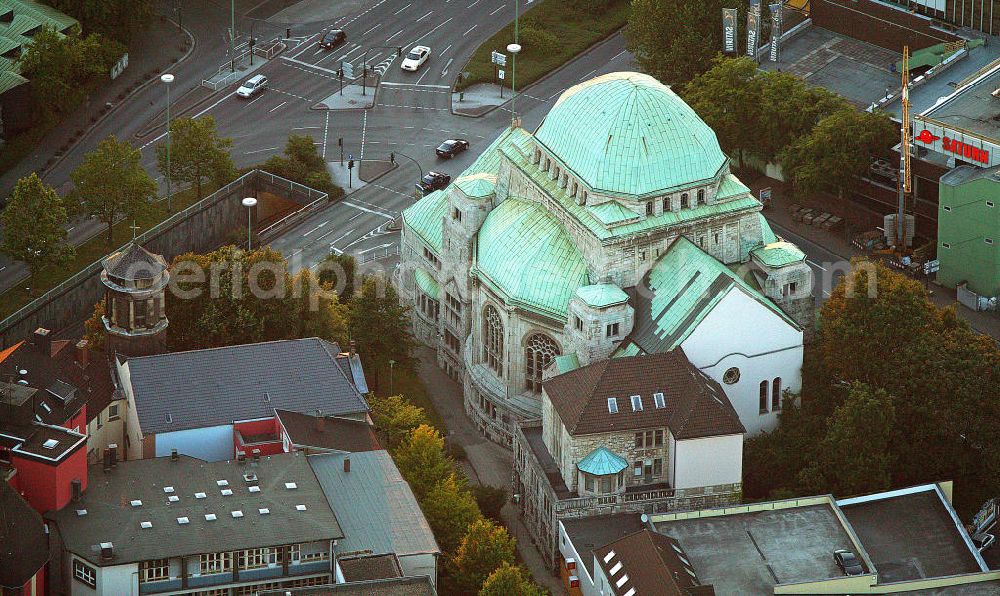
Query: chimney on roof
43, 340
83, 353
347, 465
320, 421
173, 455
256, 456
354, 346
107, 551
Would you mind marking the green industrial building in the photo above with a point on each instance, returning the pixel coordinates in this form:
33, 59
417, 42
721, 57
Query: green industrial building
969, 229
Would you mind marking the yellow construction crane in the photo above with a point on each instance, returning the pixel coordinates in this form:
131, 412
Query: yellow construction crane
905, 175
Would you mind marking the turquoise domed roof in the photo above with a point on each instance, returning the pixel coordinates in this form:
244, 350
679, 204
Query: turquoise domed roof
528, 256
601, 462
627, 133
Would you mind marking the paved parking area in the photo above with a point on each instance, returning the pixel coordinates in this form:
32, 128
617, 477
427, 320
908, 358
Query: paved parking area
859, 71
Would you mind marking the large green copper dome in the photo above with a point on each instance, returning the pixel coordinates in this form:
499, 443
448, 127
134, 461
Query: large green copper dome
626, 133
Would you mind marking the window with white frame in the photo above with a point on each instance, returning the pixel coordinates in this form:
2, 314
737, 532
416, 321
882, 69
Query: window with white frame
493, 339
636, 403
701, 196
112, 412
253, 558
154, 570
612, 330
538, 353
216, 563
84, 573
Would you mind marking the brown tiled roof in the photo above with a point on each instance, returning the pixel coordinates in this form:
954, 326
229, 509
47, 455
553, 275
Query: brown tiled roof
649, 563
338, 434
695, 405
359, 569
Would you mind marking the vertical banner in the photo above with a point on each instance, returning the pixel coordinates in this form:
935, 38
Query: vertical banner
775, 29
729, 16
753, 28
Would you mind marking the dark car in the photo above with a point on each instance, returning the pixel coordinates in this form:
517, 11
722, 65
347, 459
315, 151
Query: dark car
847, 562
332, 39
451, 148
433, 181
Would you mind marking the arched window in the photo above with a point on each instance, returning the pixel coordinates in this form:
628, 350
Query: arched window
776, 394
538, 353
666, 204
701, 196
684, 200
763, 396
493, 339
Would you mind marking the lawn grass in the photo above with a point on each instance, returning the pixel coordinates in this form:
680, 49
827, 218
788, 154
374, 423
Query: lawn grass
574, 30
92, 250
409, 385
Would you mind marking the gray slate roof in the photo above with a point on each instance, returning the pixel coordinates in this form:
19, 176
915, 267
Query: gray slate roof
111, 518
134, 262
203, 388
374, 505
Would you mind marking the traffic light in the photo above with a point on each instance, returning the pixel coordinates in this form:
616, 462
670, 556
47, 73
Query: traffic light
399, 50
340, 74
350, 164
392, 158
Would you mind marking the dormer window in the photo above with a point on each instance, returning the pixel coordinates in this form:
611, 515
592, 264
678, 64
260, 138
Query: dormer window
613, 405
659, 401
636, 403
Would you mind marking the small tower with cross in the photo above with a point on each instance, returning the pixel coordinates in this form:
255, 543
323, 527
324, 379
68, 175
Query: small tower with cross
135, 321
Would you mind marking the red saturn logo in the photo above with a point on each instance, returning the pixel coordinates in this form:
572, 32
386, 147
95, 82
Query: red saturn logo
925, 136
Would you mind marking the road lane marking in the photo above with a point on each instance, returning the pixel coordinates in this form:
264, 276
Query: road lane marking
498, 9
247, 105
314, 229
393, 105
261, 150
326, 129
432, 31
445, 50
276, 107
344, 235
470, 28
308, 64
367, 210
408, 4
588, 74
473, 4
421, 77
445, 71
388, 39
305, 45
344, 57
424, 17
291, 95
199, 114
306, 127
616, 56
372, 29
364, 129
427, 86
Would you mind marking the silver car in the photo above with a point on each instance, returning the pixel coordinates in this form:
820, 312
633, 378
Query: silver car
252, 86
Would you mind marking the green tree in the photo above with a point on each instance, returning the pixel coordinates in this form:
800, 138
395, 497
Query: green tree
450, 510
197, 152
484, 548
117, 19
34, 227
727, 97
396, 417
381, 327
837, 151
788, 109
855, 455
421, 460
510, 579
254, 299
302, 163
62, 68
111, 183
490, 499
675, 40
333, 267
94, 328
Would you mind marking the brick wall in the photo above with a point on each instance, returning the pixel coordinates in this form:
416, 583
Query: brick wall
878, 24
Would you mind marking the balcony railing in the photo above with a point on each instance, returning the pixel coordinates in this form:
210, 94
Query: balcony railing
208, 580
670, 498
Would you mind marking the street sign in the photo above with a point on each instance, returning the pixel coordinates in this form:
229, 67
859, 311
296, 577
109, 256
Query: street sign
500, 74
348, 69
350, 156
932, 266
498, 58
765, 195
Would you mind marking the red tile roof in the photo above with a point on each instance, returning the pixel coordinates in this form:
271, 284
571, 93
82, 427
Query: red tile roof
647, 562
694, 405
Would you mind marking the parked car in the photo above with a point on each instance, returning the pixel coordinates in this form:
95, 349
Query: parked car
433, 181
847, 562
416, 58
983, 541
451, 148
252, 86
332, 39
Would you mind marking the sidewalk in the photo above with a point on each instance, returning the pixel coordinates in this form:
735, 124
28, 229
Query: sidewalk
490, 463
838, 243
155, 50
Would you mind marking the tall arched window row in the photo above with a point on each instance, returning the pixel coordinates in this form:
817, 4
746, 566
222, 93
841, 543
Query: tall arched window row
493, 339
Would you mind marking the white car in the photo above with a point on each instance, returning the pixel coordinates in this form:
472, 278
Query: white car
416, 58
252, 86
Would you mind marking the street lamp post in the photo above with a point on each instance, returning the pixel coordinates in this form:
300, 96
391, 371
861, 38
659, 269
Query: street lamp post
395, 153
391, 364
513, 48
168, 78
249, 203
232, 35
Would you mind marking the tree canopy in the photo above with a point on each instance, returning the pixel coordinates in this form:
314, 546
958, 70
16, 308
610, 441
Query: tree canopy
34, 226
450, 510
484, 548
117, 19
510, 579
380, 326
303, 163
111, 183
396, 418
197, 153
230, 297
421, 460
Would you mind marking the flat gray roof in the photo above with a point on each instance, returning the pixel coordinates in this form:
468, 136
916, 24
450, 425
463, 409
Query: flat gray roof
591, 533
972, 108
856, 70
910, 536
374, 505
111, 516
750, 553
